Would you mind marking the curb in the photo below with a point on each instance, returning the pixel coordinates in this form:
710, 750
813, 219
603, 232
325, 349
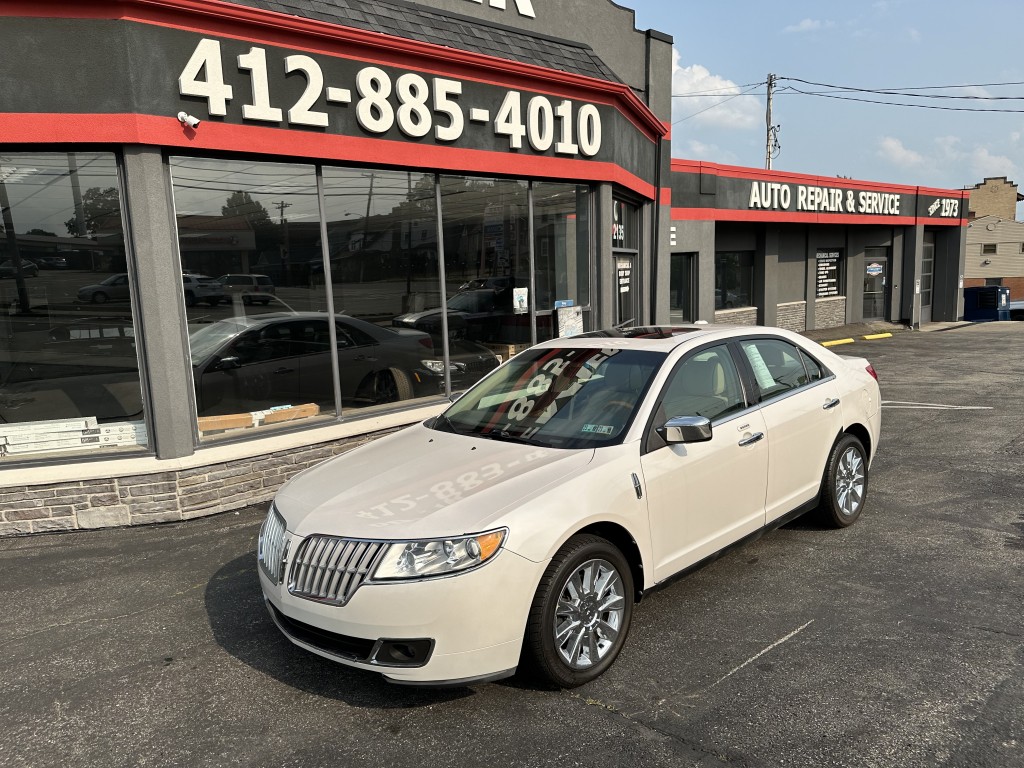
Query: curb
835, 342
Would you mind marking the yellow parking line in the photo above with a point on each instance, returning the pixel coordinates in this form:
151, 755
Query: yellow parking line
836, 342
878, 336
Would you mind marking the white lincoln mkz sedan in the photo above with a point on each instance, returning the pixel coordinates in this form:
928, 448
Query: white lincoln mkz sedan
518, 529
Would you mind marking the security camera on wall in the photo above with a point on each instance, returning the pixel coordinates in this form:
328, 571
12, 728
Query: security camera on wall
187, 119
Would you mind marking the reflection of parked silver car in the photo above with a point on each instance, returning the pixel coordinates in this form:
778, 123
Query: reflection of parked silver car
252, 288
114, 288
200, 288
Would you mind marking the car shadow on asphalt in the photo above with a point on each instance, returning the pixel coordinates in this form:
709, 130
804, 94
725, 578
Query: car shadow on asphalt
243, 628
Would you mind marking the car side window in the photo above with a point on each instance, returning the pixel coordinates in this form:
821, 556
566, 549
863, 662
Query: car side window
705, 384
815, 372
778, 366
359, 338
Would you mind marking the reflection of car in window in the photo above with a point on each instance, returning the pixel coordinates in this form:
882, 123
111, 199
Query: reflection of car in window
261, 361
28, 269
114, 288
473, 314
252, 289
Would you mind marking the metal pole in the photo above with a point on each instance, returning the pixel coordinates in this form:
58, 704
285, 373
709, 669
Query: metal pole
768, 124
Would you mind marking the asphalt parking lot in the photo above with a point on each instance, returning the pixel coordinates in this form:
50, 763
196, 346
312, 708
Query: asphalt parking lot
897, 642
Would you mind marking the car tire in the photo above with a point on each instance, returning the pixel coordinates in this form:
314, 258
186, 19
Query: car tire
246, 300
844, 487
190, 299
99, 298
569, 639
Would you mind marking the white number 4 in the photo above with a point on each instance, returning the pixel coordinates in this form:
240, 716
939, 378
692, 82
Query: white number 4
212, 88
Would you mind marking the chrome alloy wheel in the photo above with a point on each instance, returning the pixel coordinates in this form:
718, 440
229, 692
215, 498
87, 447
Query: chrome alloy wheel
589, 614
850, 480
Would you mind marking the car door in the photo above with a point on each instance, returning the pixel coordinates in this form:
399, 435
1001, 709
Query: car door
703, 496
799, 401
312, 347
257, 370
358, 360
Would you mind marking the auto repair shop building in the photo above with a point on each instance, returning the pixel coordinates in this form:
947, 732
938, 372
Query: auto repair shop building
240, 237
193, 188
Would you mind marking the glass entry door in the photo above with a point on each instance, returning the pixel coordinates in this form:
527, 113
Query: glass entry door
680, 291
625, 311
927, 274
876, 276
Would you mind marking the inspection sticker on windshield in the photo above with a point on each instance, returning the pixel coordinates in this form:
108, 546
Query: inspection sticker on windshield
599, 429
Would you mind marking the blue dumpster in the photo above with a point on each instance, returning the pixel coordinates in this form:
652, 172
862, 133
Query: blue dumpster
988, 302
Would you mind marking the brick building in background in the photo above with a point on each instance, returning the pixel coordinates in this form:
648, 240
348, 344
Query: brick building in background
995, 239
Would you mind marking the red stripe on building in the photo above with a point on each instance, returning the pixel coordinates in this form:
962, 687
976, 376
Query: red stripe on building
215, 136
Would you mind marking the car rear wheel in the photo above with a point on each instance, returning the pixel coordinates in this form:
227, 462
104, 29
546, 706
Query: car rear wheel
99, 297
190, 299
580, 614
844, 487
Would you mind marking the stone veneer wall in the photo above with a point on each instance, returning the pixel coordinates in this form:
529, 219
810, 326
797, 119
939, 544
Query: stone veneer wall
742, 316
792, 316
160, 497
830, 312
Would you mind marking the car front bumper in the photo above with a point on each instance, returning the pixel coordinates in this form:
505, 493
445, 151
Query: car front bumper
461, 629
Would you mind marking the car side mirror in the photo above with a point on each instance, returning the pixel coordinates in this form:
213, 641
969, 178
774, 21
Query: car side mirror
226, 364
686, 429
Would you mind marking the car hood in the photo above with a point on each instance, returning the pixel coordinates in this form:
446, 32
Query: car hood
421, 483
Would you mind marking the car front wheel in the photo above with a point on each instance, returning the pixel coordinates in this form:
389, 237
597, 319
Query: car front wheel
580, 614
845, 484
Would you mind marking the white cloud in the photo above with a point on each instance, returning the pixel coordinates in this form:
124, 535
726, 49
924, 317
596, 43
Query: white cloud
715, 100
915, 35
809, 25
960, 163
699, 150
892, 150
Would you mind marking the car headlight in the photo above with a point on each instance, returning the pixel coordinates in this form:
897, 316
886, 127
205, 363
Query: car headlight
437, 366
438, 557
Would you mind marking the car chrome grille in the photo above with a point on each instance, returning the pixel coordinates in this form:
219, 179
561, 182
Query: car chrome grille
271, 551
330, 569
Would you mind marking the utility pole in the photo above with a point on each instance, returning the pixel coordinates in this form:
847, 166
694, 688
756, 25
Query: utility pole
771, 130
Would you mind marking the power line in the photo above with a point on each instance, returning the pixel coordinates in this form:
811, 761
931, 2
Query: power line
905, 91
791, 89
723, 101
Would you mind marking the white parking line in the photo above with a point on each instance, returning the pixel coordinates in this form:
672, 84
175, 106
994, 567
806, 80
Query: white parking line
934, 406
756, 656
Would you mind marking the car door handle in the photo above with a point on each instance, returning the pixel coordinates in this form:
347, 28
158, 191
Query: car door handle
752, 439
285, 370
829, 404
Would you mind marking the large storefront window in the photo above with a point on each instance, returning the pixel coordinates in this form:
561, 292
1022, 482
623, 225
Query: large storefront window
382, 235
259, 292
69, 370
487, 261
734, 279
561, 221
253, 288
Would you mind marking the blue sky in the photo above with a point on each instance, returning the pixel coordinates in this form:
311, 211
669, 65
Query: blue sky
724, 45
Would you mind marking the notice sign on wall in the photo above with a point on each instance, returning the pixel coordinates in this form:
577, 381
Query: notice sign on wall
828, 274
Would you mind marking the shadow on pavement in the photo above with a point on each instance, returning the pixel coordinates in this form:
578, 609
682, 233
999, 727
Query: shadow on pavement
243, 628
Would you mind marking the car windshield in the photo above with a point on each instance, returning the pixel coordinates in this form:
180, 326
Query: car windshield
206, 340
558, 398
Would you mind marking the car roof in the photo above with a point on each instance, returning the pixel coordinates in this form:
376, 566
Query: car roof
664, 338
